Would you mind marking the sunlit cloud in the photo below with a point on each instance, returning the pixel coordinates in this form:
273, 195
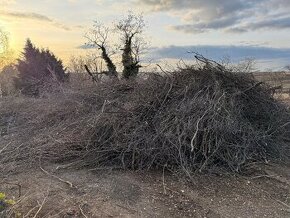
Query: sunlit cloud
33, 16
61, 25
24, 15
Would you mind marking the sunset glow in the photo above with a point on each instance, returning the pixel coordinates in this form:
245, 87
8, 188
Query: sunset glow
206, 26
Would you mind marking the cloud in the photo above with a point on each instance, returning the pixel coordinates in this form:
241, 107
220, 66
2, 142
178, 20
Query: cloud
279, 23
25, 15
236, 53
85, 47
267, 24
211, 8
200, 27
33, 16
236, 30
61, 26
198, 16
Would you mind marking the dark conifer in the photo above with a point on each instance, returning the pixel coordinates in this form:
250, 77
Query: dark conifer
38, 68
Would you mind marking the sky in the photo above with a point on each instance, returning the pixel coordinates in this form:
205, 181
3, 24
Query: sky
218, 29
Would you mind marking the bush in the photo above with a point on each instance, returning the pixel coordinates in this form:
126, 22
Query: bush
193, 119
38, 69
7, 77
5, 204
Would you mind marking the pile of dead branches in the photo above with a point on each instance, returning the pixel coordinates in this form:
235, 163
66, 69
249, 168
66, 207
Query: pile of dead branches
196, 118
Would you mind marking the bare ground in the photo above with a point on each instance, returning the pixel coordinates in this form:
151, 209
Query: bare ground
56, 192
68, 193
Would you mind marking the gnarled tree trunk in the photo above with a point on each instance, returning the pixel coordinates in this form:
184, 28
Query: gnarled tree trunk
131, 66
112, 71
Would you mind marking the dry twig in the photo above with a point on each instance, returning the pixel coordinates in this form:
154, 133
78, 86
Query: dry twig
58, 178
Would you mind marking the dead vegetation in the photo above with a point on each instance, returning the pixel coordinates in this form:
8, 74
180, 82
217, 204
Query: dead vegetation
198, 118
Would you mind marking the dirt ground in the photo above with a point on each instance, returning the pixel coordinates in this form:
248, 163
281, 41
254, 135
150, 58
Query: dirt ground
57, 192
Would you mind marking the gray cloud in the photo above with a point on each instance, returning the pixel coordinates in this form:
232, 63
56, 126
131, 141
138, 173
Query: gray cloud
61, 26
33, 16
203, 9
280, 3
279, 23
276, 23
217, 6
236, 53
199, 27
236, 30
85, 47
198, 16
24, 15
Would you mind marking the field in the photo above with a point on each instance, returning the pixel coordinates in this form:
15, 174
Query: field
67, 188
276, 79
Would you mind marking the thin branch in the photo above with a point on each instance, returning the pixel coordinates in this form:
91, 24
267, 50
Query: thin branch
82, 212
40, 207
58, 178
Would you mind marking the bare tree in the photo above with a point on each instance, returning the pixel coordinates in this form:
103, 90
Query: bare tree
98, 37
3, 41
131, 29
7, 77
4, 48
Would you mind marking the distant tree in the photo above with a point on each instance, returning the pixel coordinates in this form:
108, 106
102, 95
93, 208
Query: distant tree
130, 31
37, 68
98, 37
84, 64
5, 52
3, 42
7, 77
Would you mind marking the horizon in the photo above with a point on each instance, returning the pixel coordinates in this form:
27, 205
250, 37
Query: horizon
217, 29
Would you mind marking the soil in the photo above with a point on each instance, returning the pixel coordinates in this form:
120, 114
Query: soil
62, 192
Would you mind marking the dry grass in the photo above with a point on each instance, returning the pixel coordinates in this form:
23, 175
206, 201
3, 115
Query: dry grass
192, 119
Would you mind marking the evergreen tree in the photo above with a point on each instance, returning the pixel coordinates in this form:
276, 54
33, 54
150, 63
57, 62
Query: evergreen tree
38, 68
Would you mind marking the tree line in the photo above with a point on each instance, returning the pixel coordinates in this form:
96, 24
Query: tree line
40, 67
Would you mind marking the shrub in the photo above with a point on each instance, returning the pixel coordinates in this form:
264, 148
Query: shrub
5, 204
38, 68
7, 77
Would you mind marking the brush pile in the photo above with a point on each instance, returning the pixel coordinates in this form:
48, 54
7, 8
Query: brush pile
197, 118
